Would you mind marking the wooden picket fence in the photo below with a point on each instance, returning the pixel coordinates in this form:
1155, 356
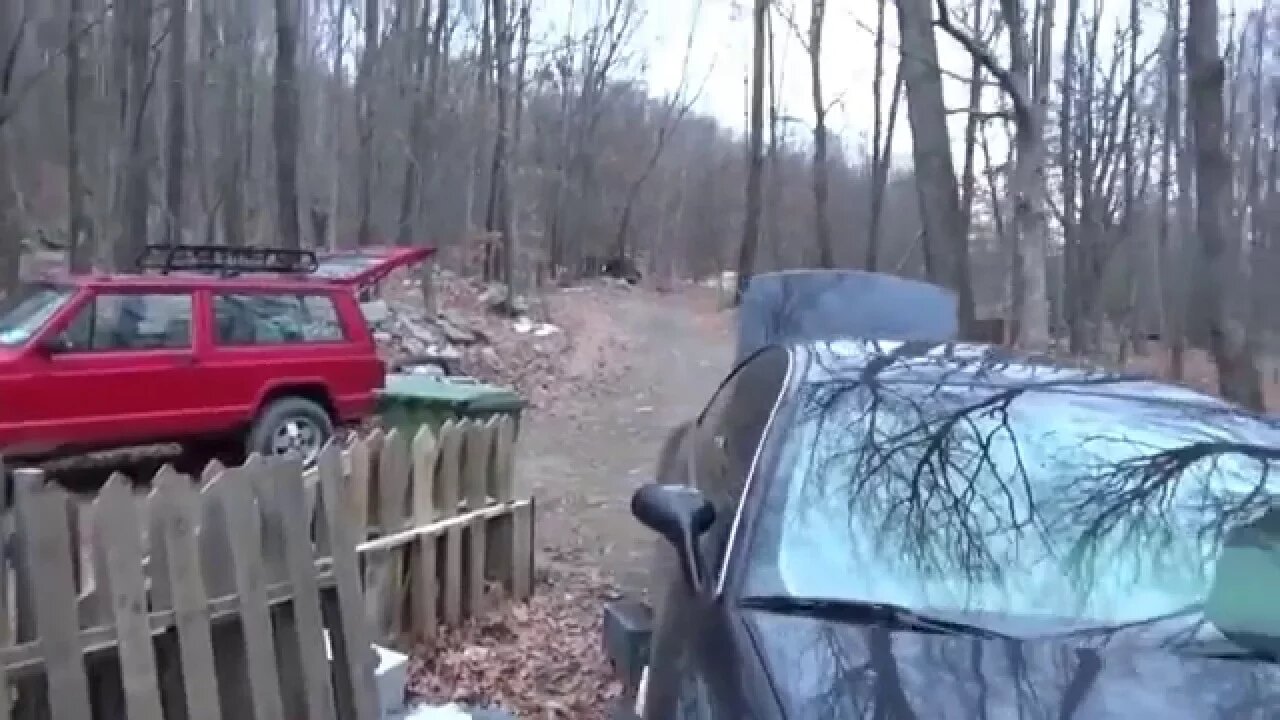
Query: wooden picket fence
256, 593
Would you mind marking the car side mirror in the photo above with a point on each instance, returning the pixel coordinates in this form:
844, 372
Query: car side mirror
53, 345
681, 515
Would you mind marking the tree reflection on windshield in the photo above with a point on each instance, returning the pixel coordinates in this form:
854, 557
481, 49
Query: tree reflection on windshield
1038, 498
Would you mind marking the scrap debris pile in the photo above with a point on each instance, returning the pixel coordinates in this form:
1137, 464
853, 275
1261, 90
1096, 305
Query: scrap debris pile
468, 335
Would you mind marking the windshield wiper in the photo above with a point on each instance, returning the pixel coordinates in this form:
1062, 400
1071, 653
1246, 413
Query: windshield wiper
894, 617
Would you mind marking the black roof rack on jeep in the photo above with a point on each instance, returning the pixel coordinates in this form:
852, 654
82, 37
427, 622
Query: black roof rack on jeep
226, 260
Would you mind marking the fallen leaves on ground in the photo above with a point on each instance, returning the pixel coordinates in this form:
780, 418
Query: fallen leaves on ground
540, 659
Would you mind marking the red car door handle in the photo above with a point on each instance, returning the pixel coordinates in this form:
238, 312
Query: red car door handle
187, 360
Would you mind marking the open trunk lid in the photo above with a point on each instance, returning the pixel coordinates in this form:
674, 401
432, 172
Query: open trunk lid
363, 268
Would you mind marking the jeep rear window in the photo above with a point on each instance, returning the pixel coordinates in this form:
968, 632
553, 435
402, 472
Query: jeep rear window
28, 310
276, 319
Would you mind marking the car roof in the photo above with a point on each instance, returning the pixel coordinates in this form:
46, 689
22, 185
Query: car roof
195, 281
981, 365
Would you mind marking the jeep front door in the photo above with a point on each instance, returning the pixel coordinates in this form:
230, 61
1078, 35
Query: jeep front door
121, 372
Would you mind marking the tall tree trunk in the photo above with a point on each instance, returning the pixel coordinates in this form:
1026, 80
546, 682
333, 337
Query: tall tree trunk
498, 210
140, 136
755, 167
1030, 219
821, 218
79, 249
365, 121
415, 154
877, 122
286, 121
176, 123
1183, 244
1073, 312
946, 247
1238, 378
234, 100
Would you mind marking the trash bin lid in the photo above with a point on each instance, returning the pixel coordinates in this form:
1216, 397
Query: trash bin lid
462, 397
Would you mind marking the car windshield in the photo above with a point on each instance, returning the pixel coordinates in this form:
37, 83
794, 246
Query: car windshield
28, 310
1052, 509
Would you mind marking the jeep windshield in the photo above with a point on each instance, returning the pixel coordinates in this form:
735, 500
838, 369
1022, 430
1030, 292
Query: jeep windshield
26, 311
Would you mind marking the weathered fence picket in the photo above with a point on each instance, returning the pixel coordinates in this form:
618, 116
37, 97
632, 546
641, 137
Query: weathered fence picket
212, 600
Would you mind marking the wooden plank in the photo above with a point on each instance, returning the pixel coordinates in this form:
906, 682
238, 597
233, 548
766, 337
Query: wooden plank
215, 545
46, 542
373, 441
425, 455
235, 490
439, 527
448, 481
230, 666
477, 533
265, 474
522, 551
357, 485
503, 460
175, 516
384, 591
393, 481
352, 648
289, 658
422, 581
94, 598
476, 467
309, 624
118, 531
477, 450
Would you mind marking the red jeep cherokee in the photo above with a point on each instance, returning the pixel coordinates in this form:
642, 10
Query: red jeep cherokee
262, 347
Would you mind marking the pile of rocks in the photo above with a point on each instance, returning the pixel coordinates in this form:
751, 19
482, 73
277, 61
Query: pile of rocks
467, 335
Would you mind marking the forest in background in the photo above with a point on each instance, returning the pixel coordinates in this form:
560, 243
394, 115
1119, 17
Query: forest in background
1078, 205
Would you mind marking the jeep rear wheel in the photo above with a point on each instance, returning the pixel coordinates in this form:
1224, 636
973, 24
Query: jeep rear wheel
291, 425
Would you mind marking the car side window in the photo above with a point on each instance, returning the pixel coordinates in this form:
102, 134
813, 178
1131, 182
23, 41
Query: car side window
130, 321
275, 319
727, 435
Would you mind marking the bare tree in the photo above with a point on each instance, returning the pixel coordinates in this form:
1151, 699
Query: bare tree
79, 251
135, 25
755, 141
1238, 377
176, 122
285, 122
946, 247
822, 221
365, 90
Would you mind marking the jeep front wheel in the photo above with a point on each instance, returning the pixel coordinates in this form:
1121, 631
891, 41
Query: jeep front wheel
291, 425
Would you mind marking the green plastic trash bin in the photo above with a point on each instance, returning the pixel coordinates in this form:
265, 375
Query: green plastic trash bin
410, 401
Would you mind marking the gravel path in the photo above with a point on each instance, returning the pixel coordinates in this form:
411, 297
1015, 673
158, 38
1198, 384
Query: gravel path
583, 462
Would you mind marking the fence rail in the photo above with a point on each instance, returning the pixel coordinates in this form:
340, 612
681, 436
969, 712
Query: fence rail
256, 592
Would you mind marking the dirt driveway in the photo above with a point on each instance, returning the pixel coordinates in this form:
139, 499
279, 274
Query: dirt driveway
583, 461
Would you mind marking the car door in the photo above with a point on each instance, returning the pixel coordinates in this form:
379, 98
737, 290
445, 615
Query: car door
120, 371
694, 667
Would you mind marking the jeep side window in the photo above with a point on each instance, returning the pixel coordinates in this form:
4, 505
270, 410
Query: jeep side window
130, 321
275, 319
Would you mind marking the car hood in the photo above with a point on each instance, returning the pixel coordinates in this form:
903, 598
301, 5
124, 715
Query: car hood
832, 670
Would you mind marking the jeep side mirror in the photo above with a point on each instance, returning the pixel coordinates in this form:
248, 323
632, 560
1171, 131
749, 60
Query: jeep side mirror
53, 345
681, 515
